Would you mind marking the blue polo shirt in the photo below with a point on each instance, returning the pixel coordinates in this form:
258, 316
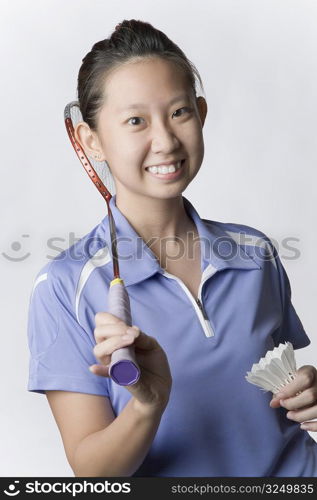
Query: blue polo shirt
216, 423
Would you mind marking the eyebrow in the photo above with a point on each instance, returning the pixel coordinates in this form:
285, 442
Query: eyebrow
140, 105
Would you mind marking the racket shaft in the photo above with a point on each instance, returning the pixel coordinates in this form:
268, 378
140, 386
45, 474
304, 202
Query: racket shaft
123, 369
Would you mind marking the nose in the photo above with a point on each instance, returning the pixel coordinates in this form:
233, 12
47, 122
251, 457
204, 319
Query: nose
164, 139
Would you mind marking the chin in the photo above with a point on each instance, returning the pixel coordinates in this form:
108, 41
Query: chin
167, 194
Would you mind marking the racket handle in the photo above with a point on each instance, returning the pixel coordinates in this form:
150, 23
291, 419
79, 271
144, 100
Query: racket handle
123, 369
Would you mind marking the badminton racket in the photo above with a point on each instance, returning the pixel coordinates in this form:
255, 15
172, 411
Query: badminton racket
123, 368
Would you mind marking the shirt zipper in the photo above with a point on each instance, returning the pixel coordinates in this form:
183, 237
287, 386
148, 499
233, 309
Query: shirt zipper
197, 303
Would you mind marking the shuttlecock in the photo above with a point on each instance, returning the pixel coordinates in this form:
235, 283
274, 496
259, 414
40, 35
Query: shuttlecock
275, 370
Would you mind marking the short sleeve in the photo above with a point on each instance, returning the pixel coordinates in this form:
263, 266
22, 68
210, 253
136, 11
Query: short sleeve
291, 328
61, 351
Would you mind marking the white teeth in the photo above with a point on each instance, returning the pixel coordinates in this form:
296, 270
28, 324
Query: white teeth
153, 170
165, 169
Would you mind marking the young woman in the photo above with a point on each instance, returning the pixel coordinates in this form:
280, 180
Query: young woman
206, 303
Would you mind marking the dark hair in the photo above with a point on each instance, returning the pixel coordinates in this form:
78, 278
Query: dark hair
132, 39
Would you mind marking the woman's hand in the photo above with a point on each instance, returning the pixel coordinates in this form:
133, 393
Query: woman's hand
153, 387
303, 406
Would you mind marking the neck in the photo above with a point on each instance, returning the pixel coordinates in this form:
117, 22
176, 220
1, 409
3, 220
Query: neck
153, 217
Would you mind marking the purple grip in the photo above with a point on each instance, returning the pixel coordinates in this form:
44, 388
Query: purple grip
124, 369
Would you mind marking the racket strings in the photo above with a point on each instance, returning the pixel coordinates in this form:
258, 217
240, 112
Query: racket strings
98, 171
101, 167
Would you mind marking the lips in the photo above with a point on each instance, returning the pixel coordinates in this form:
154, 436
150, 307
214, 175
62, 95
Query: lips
162, 163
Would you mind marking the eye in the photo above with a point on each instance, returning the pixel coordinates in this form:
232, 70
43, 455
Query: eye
184, 108
135, 118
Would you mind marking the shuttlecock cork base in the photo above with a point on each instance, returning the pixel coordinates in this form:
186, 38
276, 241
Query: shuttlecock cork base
275, 370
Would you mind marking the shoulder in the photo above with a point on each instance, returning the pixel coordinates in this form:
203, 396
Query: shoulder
241, 233
234, 227
253, 241
62, 275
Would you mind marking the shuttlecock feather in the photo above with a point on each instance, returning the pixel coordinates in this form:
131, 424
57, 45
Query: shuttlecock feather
275, 370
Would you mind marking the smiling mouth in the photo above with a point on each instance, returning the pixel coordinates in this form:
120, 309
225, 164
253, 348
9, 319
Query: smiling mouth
166, 169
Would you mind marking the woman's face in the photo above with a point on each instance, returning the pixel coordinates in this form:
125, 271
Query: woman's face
150, 118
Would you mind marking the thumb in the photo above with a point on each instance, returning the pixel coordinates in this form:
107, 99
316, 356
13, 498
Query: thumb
143, 341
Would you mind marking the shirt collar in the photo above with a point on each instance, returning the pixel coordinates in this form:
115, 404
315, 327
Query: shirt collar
137, 262
218, 248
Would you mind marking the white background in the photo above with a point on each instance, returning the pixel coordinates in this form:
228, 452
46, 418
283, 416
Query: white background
257, 60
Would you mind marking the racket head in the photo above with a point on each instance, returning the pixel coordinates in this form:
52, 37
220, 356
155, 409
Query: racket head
98, 171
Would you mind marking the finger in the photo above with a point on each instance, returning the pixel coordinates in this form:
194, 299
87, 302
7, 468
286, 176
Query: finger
101, 370
303, 415
105, 318
305, 398
305, 377
104, 350
309, 426
106, 331
275, 403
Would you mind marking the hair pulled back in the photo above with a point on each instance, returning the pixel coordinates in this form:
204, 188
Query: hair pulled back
131, 39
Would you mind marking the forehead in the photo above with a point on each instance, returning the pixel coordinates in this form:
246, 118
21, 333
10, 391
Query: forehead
144, 81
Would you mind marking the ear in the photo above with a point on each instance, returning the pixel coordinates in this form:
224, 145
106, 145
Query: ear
89, 141
202, 108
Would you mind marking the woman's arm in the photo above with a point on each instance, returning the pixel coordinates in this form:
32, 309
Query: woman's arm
98, 444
